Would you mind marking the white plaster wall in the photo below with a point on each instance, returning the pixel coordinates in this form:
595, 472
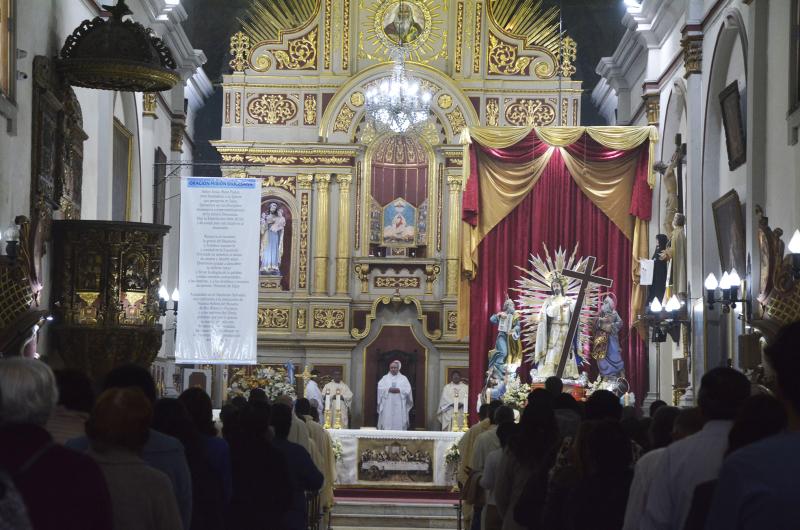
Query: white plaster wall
783, 160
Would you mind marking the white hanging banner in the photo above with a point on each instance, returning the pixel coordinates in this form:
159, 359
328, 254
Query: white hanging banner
220, 236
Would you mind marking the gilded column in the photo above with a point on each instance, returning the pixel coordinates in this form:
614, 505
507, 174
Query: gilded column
343, 239
454, 183
321, 234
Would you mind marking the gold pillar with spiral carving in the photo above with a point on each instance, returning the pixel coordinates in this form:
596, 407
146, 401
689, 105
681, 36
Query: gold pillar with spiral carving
321, 234
343, 239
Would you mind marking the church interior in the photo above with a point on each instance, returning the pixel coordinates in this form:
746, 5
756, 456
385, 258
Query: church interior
460, 252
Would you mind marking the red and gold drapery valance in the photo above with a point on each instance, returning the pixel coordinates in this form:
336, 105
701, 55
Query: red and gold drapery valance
613, 167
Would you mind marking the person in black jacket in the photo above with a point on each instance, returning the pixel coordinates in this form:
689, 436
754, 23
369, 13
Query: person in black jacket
304, 475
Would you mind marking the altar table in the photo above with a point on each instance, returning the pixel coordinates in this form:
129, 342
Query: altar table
373, 458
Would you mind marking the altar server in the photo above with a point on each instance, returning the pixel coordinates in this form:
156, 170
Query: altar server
329, 392
313, 393
394, 399
454, 399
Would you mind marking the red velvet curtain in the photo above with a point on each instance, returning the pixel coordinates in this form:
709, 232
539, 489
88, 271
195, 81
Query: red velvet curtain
555, 213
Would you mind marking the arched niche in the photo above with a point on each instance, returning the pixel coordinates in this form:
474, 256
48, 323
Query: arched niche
449, 105
286, 279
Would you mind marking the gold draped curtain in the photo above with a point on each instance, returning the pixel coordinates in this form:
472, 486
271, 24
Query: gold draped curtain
608, 184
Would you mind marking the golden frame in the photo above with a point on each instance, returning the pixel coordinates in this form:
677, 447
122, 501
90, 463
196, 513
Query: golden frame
119, 126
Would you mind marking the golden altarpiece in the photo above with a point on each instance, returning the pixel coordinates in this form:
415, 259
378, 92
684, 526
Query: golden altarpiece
352, 291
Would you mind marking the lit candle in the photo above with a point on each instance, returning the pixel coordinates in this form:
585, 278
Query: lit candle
338, 401
466, 400
328, 400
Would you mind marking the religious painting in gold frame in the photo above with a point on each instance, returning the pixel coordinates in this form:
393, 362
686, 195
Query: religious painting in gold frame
729, 224
389, 461
399, 224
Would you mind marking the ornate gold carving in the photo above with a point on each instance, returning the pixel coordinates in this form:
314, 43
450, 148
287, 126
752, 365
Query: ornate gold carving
457, 121
343, 236
455, 181
287, 160
327, 318
362, 272
357, 99
567, 56
270, 284
272, 109
652, 105
418, 41
262, 63
273, 318
227, 108
301, 53
439, 208
149, 104
575, 103
272, 181
459, 36
344, 119
431, 273
544, 69
357, 233
310, 109
301, 322
452, 321
492, 112
322, 233
396, 299
240, 50
346, 35
445, 101
177, 130
304, 181
302, 274
564, 111
430, 134
529, 112
692, 46
476, 50
327, 36
397, 282
502, 58
237, 107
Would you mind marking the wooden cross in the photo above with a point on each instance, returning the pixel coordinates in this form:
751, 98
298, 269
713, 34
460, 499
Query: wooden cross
586, 277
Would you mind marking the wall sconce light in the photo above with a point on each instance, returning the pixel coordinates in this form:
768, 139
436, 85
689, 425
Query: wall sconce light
164, 298
728, 286
12, 242
794, 250
666, 319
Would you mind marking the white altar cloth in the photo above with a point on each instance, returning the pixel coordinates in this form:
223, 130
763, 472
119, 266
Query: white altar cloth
416, 456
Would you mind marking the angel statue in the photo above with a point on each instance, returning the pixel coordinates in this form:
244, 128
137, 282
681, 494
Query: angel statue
548, 300
508, 346
605, 344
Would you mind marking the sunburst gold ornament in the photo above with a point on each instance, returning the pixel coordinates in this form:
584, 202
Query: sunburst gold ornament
414, 24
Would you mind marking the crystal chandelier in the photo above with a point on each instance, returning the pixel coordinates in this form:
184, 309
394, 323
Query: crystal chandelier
398, 104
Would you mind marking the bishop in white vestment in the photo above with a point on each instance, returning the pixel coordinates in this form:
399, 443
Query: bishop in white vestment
329, 392
454, 399
394, 400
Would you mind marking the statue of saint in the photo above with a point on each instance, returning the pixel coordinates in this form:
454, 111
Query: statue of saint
677, 253
605, 344
272, 225
554, 318
508, 346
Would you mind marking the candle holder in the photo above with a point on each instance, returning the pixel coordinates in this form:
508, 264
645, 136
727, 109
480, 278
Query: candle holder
328, 414
464, 421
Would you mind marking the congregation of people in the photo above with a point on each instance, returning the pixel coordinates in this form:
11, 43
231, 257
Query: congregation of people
125, 460
729, 463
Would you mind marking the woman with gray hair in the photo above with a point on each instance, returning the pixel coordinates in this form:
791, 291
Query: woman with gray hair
62, 489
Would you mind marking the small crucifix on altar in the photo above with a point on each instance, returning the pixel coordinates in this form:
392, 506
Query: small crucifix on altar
586, 277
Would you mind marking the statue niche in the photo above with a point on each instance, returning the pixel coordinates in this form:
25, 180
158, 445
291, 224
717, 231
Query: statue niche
399, 201
275, 249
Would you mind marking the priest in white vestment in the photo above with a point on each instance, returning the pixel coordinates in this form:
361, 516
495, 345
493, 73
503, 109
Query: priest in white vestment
394, 400
329, 393
452, 402
312, 392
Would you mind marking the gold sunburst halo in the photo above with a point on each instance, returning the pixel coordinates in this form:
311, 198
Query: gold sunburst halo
426, 24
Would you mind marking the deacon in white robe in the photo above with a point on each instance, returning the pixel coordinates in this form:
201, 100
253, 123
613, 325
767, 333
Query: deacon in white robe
313, 392
454, 397
346, 398
394, 400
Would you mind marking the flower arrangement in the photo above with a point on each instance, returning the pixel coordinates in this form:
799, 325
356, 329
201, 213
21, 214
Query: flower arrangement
274, 382
452, 457
516, 395
338, 450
